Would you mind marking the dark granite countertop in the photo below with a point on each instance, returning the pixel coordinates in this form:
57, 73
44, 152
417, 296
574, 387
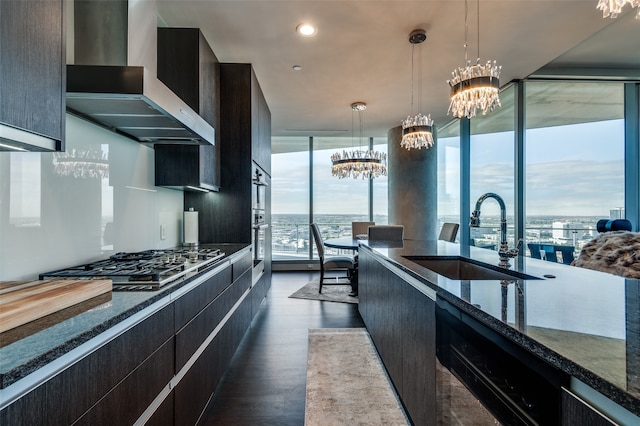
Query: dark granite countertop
583, 322
25, 355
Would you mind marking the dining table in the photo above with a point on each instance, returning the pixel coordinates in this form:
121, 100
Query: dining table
344, 243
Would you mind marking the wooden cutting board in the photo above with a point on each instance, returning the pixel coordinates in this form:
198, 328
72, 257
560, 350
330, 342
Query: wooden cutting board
24, 301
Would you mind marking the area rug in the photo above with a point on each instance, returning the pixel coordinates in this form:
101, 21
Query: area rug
346, 383
330, 293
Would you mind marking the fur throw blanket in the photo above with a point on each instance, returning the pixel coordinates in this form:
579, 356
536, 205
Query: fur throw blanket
613, 252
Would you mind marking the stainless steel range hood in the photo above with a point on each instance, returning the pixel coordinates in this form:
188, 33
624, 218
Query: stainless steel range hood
114, 81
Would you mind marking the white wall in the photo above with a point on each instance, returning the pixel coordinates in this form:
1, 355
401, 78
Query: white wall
51, 220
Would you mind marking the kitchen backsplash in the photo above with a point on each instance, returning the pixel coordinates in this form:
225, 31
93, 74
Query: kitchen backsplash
97, 198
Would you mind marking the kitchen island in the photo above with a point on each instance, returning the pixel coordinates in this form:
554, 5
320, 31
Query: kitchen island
140, 356
577, 330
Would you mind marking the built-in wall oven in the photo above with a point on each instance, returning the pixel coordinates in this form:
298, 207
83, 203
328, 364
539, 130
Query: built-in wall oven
259, 225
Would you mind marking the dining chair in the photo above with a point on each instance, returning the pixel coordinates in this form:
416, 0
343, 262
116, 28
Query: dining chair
360, 228
386, 232
449, 231
549, 252
333, 263
534, 249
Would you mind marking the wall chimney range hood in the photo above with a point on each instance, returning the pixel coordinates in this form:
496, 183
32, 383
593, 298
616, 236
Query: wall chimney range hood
114, 83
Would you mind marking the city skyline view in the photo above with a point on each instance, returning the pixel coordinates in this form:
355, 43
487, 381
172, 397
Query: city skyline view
291, 234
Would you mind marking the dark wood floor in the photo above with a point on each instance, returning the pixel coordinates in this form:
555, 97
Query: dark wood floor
266, 382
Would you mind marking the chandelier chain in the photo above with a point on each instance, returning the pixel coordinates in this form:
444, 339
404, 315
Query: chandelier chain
466, 31
419, 79
413, 74
478, 24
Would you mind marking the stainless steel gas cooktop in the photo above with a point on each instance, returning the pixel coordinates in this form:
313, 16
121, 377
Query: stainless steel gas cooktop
145, 270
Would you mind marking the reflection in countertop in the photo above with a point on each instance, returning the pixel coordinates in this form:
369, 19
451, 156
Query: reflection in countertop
584, 322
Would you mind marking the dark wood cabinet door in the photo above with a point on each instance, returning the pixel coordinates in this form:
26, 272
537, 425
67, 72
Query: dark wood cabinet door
191, 303
401, 322
260, 127
196, 387
33, 64
188, 66
419, 355
126, 402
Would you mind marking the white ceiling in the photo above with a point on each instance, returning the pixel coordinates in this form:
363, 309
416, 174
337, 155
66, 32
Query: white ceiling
361, 51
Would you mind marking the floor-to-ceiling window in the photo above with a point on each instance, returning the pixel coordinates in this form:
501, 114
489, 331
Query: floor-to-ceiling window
290, 198
574, 160
337, 202
448, 146
574, 174
492, 170
380, 188
304, 191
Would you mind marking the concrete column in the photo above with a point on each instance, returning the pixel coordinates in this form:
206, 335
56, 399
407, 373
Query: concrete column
413, 195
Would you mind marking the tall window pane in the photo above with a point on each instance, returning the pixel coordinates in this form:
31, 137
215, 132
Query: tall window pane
492, 170
380, 188
290, 197
448, 146
337, 202
575, 161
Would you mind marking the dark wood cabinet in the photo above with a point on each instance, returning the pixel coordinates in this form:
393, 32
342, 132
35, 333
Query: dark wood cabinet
200, 381
260, 127
111, 376
165, 367
258, 293
33, 77
419, 357
244, 131
126, 402
186, 167
194, 390
401, 322
190, 304
188, 66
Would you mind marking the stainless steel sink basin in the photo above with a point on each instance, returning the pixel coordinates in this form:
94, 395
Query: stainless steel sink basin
460, 268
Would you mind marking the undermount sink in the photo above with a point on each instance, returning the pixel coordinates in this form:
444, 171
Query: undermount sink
460, 268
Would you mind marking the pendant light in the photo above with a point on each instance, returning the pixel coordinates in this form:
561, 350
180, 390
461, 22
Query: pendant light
359, 163
474, 87
417, 130
613, 8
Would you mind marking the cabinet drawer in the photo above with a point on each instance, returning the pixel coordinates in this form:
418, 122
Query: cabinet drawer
191, 336
194, 301
241, 265
130, 398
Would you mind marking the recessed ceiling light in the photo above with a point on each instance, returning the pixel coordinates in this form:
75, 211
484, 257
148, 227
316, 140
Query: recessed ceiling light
306, 30
297, 68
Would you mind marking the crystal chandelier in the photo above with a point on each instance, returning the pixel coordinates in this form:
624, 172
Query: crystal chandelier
474, 87
612, 8
417, 131
366, 163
